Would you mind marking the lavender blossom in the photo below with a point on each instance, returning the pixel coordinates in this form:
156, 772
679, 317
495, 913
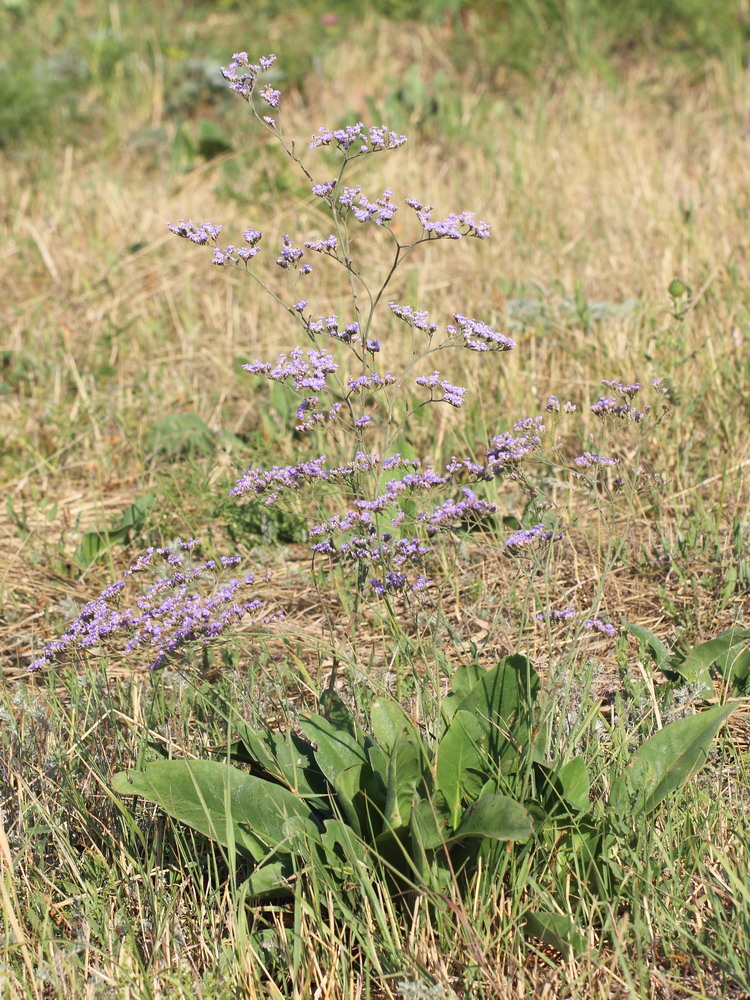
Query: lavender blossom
604, 627
418, 318
164, 618
562, 615
242, 75
201, 235
528, 536
480, 336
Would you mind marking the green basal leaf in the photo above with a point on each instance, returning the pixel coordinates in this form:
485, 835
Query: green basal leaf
666, 761
660, 654
218, 800
269, 881
734, 666
180, 433
405, 772
430, 823
462, 762
497, 817
387, 719
557, 930
575, 783
501, 702
706, 654
337, 748
333, 709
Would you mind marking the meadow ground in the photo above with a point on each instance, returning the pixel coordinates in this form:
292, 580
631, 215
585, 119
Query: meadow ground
611, 162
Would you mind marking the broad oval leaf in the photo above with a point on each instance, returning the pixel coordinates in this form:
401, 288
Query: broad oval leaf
501, 701
405, 771
462, 762
495, 816
218, 800
665, 761
555, 929
387, 719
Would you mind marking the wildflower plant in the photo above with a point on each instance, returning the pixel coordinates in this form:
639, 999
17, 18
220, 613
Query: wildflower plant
380, 512
421, 808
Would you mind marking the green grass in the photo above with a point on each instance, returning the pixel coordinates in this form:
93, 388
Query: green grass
605, 142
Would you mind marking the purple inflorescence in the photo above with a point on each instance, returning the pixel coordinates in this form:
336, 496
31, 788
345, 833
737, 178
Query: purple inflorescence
604, 627
480, 336
380, 211
370, 140
328, 245
453, 394
528, 536
290, 255
455, 511
561, 615
371, 381
306, 369
453, 227
324, 189
418, 318
242, 75
201, 235
271, 97
590, 458
165, 616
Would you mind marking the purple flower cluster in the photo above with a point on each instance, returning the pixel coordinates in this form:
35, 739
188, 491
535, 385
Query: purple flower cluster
560, 615
380, 211
480, 336
324, 189
165, 616
453, 227
569, 614
529, 536
418, 318
196, 234
604, 627
621, 405
453, 512
328, 245
453, 394
329, 325
280, 479
372, 381
371, 140
306, 369
590, 458
290, 255
553, 406
241, 75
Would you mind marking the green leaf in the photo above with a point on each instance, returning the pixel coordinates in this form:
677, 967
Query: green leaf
405, 770
556, 930
660, 654
387, 719
497, 817
268, 881
220, 801
666, 761
180, 433
734, 666
575, 783
462, 762
337, 749
501, 702
332, 707
91, 546
706, 654
430, 823
136, 515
